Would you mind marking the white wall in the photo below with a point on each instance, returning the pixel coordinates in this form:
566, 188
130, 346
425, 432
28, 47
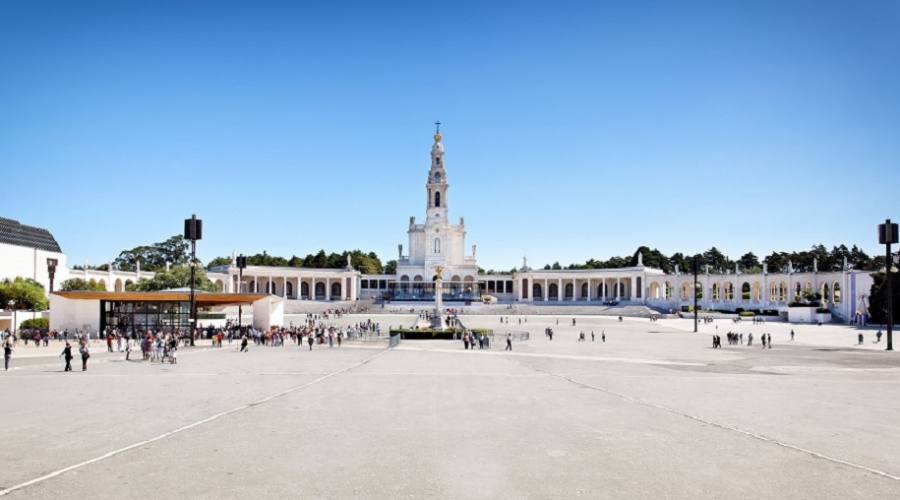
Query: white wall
74, 314
16, 261
268, 312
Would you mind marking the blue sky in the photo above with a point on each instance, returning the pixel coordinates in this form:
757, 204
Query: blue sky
573, 129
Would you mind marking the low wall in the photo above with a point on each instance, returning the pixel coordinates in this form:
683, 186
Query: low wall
807, 315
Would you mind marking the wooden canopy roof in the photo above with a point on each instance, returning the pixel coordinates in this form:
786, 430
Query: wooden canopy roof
202, 298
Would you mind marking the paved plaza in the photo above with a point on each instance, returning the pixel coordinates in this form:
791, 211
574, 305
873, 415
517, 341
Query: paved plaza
652, 413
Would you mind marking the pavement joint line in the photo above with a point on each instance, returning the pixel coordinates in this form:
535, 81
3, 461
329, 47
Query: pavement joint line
637, 361
745, 432
198, 423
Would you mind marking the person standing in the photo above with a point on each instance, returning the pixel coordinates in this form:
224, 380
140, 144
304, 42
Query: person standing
509, 342
67, 355
603, 336
85, 355
309, 340
7, 353
129, 344
792, 335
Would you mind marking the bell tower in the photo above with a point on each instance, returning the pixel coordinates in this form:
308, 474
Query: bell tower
436, 188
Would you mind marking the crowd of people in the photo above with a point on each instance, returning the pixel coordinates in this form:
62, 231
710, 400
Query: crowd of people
734, 338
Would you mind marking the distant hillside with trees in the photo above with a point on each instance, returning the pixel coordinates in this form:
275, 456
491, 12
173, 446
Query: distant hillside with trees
828, 260
367, 263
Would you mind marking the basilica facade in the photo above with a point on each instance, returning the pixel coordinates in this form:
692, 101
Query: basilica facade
439, 245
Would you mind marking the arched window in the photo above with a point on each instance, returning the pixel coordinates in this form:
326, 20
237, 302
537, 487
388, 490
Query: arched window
437, 199
437, 245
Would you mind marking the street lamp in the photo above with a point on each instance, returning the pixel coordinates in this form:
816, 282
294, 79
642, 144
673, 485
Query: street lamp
193, 230
241, 264
12, 307
51, 271
887, 234
696, 317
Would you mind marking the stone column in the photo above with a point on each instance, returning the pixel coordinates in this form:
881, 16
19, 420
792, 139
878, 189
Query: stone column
312, 289
590, 292
617, 288
546, 290
255, 284
327, 288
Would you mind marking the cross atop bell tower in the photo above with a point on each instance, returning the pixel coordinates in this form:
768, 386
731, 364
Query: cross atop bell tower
436, 188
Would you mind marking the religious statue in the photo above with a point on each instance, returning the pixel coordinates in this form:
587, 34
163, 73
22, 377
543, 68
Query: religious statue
349, 265
400, 251
439, 272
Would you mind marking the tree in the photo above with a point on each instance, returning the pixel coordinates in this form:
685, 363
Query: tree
878, 297
390, 267
219, 261
28, 294
79, 284
749, 263
175, 251
176, 277
716, 259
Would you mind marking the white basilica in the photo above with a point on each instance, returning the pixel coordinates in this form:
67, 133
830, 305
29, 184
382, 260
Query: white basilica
439, 243
436, 243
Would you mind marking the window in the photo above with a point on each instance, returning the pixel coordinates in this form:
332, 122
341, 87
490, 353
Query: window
437, 199
437, 245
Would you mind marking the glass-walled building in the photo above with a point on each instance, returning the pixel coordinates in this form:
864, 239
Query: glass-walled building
167, 311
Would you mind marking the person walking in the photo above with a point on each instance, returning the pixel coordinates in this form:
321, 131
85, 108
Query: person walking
7, 353
509, 342
129, 344
85, 355
792, 335
878, 337
67, 355
603, 336
309, 340
860, 339
243, 344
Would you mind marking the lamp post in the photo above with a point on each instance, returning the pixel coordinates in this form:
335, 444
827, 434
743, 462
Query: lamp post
696, 317
12, 307
241, 264
887, 234
51, 271
193, 230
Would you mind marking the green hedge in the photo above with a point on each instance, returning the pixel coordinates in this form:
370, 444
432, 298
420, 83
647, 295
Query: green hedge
39, 323
427, 333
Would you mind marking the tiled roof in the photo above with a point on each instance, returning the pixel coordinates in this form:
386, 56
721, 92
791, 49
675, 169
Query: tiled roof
13, 233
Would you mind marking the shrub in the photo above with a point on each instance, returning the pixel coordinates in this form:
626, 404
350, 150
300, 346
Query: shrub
747, 314
39, 323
